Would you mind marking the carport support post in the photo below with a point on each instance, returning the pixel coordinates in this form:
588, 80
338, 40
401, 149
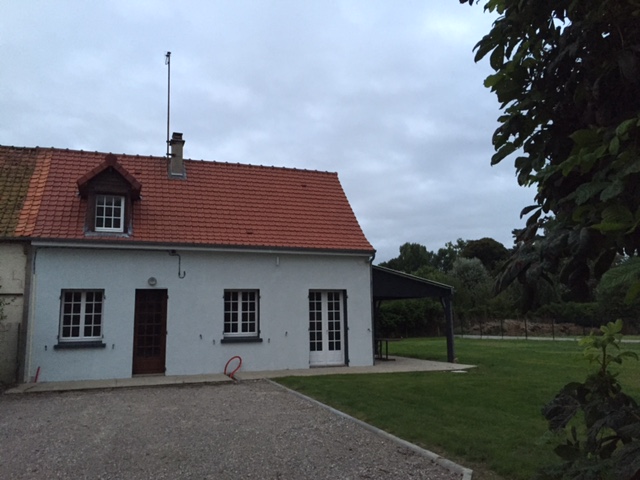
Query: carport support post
447, 303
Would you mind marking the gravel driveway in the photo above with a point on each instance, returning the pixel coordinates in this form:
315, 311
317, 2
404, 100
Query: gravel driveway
232, 431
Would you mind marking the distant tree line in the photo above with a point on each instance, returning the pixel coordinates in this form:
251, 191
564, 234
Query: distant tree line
474, 268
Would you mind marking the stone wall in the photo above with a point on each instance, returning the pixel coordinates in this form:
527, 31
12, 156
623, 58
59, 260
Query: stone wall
12, 283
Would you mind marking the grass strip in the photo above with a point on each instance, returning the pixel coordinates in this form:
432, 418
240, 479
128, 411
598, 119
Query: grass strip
487, 419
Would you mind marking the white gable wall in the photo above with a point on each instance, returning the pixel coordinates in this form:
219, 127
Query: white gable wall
195, 308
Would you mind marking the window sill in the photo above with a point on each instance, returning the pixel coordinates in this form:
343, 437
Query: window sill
76, 345
241, 340
95, 233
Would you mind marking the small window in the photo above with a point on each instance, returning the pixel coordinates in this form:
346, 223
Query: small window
109, 213
241, 313
81, 315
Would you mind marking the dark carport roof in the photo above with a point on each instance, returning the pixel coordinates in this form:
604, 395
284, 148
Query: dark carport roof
393, 285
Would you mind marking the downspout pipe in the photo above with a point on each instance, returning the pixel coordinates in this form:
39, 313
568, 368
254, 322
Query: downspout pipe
28, 314
373, 308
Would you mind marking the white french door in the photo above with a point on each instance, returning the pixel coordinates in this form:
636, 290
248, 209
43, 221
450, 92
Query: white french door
326, 327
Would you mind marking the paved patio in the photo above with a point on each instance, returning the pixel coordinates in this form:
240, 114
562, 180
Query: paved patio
394, 364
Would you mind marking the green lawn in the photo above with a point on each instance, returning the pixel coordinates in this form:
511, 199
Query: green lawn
487, 419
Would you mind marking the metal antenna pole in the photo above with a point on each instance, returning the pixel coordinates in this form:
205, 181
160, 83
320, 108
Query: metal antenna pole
167, 61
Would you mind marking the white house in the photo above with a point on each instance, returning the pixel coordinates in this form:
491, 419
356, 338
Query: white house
148, 265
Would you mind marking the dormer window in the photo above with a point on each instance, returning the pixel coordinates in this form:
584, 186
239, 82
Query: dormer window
110, 211
110, 192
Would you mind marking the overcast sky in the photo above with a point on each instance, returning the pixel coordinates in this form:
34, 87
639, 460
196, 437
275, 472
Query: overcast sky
385, 93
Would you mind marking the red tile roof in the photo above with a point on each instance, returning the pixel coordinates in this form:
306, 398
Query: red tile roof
16, 170
217, 204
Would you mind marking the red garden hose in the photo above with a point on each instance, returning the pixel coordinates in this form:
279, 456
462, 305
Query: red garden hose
230, 375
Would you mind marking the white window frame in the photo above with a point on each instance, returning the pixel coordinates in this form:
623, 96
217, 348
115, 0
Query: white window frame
77, 314
116, 203
242, 312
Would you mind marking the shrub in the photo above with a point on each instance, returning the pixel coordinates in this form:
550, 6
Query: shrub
410, 318
583, 314
603, 441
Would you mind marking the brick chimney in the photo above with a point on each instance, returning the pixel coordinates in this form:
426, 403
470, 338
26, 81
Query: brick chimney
176, 160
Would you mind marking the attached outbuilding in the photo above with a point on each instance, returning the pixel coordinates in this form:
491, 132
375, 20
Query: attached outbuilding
16, 171
393, 285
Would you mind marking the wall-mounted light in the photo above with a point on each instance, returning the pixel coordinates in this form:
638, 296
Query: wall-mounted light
153, 281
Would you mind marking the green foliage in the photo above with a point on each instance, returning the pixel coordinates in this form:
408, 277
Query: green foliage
583, 314
540, 294
472, 282
617, 292
595, 347
410, 318
445, 257
567, 76
489, 251
416, 258
604, 423
622, 282
504, 305
470, 271
466, 273
412, 257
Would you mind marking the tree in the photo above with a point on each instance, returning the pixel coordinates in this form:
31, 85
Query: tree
489, 251
412, 257
473, 282
445, 257
567, 76
615, 292
415, 258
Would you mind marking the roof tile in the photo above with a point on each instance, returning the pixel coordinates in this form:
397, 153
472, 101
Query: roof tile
217, 204
17, 166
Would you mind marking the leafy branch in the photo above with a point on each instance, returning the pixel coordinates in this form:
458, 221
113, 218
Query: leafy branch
603, 441
567, 76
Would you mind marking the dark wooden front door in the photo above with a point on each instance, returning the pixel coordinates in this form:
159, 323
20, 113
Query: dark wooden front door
150, 330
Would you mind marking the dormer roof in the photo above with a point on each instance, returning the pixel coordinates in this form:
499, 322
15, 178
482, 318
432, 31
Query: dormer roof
109, 165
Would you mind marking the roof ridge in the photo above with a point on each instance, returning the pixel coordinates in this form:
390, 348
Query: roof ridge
266, 167
14, 147
163, 157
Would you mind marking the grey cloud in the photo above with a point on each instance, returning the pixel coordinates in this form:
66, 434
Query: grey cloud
384, 93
